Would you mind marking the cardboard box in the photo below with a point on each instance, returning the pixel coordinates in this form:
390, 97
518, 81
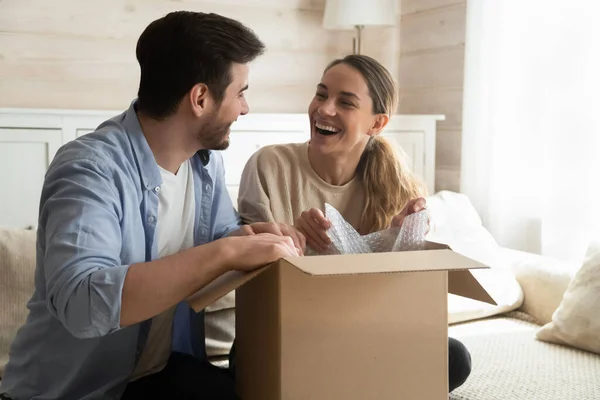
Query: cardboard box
351, 327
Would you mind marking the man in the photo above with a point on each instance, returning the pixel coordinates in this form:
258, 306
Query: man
134, 218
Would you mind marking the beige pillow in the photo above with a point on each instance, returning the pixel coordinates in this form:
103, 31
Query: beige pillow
576, 322
17, 269
544, 281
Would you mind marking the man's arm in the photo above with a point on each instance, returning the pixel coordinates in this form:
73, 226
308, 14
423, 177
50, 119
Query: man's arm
153, 287
88, 289
81, 235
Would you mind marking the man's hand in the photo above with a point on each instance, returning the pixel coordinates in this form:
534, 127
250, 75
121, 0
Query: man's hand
412, 207
255, 250
276, 229
313, 225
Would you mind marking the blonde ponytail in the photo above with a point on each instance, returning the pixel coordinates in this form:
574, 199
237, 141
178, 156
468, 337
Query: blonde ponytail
389, 184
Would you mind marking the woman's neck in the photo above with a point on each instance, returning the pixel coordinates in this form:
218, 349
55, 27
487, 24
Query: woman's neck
337, 170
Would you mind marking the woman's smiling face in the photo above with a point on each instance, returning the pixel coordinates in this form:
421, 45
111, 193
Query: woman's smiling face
341, 113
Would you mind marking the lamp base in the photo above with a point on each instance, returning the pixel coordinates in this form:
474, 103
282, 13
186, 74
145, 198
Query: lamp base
357, 39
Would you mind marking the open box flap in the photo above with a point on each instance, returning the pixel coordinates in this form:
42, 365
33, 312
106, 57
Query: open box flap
442, 259
463, 283
220, 287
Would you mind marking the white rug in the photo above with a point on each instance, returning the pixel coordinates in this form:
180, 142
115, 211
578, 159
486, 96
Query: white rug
510, 364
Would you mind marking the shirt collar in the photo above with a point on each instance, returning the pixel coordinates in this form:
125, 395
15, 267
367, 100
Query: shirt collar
204, 156
148, 167
147, 163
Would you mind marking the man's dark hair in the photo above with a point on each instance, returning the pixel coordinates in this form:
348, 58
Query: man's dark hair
185, 48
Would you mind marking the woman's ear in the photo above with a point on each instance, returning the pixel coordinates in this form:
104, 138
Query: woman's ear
380, 122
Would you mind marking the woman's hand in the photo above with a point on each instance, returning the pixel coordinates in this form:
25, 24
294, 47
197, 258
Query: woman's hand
313, 225
411, 207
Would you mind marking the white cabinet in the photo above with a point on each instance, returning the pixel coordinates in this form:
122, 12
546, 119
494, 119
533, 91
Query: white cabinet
24, 158
244, 143
29, 138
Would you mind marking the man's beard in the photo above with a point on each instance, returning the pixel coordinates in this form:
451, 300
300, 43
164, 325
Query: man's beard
215, 134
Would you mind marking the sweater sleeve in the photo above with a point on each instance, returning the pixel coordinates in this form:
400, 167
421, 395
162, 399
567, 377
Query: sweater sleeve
254, 204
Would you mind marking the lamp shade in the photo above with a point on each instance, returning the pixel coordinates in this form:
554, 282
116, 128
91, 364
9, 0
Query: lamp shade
344, 14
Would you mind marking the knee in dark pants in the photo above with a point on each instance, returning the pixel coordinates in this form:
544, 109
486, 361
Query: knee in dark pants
459, 363
232, 360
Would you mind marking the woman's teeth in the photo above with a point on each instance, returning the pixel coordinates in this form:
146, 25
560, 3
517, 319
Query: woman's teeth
326, 129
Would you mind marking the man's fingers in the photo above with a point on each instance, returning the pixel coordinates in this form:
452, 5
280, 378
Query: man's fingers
303, 240
288, 247
274, 229
266, 227
297, 237
300, 241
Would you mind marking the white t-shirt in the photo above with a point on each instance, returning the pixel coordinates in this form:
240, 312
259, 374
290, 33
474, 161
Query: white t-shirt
176, 209
175, 232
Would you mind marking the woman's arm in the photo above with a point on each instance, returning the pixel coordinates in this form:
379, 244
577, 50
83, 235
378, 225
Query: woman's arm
254, 204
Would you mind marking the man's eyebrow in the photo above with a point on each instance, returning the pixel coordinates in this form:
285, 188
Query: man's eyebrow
322, 86
244, 88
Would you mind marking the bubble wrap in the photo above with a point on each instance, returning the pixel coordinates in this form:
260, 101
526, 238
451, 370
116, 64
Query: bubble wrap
346, 240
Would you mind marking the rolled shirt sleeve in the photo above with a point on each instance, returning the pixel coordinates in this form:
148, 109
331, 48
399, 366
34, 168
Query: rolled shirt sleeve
81, 214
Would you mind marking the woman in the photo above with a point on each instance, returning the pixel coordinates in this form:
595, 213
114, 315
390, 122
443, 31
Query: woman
346, 163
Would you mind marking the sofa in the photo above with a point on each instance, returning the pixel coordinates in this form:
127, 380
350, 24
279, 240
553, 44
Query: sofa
509, 362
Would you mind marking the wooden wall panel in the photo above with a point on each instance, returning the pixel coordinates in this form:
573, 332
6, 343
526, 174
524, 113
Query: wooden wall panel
431, 75
81, 55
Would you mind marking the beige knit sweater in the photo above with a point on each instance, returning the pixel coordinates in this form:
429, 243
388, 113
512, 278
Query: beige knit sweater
278, 184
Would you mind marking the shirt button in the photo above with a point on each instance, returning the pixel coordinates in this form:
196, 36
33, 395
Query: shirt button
151, 219
157, 189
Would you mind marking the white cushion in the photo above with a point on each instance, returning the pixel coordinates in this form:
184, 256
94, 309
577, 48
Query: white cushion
576, 322
544, 281
456, 222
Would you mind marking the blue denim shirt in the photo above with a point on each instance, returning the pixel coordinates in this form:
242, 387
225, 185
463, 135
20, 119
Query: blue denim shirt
98, 212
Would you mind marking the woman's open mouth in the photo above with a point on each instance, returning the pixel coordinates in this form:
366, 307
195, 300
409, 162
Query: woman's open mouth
325, 129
